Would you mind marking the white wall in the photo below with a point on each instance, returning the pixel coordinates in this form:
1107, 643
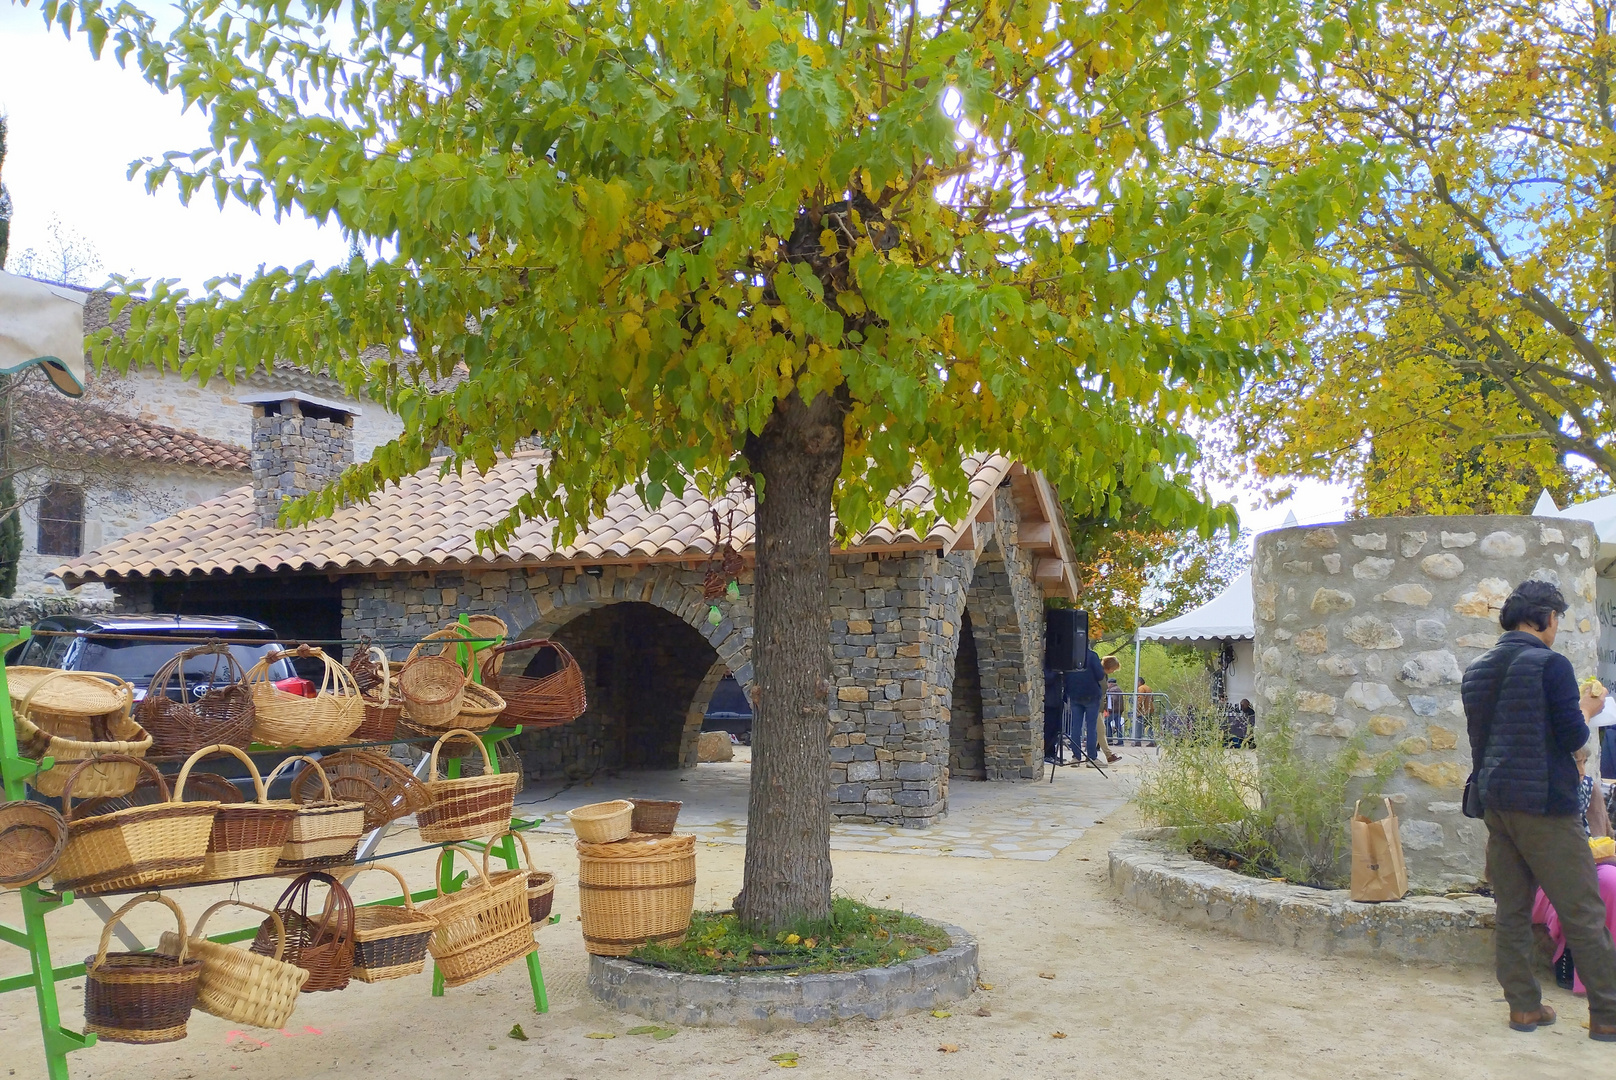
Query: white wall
1242, 674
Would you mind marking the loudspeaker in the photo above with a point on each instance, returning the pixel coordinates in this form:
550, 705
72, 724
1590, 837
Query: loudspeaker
1066, 639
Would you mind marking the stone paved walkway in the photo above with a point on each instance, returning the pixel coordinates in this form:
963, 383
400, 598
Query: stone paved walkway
1031, 822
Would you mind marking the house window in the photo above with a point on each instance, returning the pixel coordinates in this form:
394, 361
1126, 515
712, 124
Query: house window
61, 520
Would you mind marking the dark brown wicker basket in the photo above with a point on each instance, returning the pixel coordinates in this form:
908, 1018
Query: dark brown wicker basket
140, 997
223, 714
32, 836
655, 816
322, 945
551, 700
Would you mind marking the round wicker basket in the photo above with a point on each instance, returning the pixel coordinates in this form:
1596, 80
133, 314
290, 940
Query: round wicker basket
603, 822
644, 891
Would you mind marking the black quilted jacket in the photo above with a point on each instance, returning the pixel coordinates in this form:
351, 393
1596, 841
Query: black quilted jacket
1520, 701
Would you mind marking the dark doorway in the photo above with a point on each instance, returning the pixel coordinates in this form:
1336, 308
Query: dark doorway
965, 751
299, 608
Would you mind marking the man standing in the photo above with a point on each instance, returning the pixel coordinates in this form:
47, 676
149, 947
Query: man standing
1521, 704
1085, 688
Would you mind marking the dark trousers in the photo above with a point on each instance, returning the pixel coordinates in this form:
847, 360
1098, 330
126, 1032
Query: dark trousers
1525, 851
1607, 753
1052, 731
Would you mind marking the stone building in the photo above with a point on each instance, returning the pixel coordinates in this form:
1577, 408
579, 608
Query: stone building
936, 643
1367, 628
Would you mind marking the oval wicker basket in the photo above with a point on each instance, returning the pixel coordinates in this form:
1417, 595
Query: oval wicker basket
70, 738
603, 822
483, 927
239, 985
655, 816
628, 900
246, 838
72, 704
540, 885
136, 847
290, 720
544, 701
489, 630
32, 836
470, 807
388, 789
389, 942
140, 998
323, 828
181, 726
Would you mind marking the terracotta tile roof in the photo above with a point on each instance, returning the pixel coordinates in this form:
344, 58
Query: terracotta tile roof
52, 421
431, 521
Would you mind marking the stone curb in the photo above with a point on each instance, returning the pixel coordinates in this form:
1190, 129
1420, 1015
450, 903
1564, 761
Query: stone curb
768, 1002
1151, 872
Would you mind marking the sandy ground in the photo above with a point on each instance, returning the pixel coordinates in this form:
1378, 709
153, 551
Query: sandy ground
1134, 997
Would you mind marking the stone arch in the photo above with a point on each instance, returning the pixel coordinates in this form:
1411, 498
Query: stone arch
696, 714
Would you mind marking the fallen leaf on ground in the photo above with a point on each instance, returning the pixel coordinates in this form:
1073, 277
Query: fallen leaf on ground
664, 1033
600, 1035
517, 1033
941, 1014
1046, 974
786, 1055
948, 1048
1057, 1034
646, 1030
984, 1011
984, 986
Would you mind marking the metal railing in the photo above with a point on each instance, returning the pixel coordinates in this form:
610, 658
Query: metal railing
1132, 723
1144, 718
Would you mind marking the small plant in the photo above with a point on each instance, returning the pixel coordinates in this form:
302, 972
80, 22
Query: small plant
855, 936
1269, 812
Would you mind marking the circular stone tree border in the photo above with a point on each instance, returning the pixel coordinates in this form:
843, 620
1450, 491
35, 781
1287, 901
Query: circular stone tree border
766, 1002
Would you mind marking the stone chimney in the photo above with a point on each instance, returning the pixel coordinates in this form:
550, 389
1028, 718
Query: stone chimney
300, 443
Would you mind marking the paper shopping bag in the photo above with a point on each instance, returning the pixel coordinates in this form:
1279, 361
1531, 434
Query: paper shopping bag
1378, 872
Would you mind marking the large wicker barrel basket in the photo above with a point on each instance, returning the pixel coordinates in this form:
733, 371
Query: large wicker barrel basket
636, 891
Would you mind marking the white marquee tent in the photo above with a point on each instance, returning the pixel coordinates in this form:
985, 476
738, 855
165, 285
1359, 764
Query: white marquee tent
1226, 620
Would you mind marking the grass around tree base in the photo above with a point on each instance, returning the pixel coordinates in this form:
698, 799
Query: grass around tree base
856, 936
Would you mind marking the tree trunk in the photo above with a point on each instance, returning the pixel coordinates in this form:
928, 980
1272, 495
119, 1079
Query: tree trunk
798, 456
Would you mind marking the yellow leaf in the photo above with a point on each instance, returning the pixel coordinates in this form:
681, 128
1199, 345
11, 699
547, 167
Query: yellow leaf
948, 1048
1057, 1035
984, 986
941, 1014
1094, 125
600, 1035
828, 241
792, 939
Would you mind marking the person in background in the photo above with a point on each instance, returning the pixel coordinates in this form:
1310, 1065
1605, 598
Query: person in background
1596, 823
1116, 708
1084, 693
1146, 702
1521, 707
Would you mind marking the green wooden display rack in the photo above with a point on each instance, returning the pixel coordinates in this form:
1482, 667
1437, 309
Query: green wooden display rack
33, 936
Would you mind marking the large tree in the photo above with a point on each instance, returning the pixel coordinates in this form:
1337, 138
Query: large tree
820, 245
1477, 354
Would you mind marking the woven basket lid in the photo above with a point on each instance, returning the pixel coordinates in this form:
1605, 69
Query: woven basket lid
75, 692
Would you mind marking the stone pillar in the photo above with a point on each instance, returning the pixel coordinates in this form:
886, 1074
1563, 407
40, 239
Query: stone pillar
1369, 626
299, 445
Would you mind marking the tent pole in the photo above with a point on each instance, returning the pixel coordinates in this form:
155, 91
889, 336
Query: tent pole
1138, 736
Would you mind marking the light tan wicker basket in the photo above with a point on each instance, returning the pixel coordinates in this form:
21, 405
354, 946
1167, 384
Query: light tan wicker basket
65, 715
602, 822
636, 892
470, 807
247, 837
433, 689
135, 847
324, 828
239, 985
290, 720
481, 928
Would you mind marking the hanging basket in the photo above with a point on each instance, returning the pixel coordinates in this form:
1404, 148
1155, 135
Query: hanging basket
223, 714
480, 708
388, 789
134, 848
373, 675
247, 838
140, 997
549, 701
324, 827
390, 942
490, 630
469, 807
238, 985
481, 928
32, 836
47, 727
635, 892
433, 688
540, 885
457, 648
289, 720
323, 944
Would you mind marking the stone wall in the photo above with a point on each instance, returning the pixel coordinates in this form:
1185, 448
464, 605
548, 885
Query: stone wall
1368, 625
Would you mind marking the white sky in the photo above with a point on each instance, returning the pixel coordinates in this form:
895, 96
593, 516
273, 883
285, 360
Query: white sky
77, 123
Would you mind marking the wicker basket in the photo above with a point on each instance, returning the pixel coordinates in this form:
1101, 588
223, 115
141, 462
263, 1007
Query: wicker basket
50, 730
433, 688
140, 997
540, 885
134, 848
388, 789
290, 720
489, 630
239, 985
32, 836
468, 807
481, 928
655, 816
548, 701
373, 675
221, 715
480, 708
247, 838
324, 828
322, 945
457, 648
390, 942
636, 892
603, 822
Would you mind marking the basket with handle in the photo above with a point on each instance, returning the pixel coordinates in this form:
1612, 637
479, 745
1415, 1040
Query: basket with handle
291, 720
636, 891
199, 787
140, 997
603, 822
433, 688
136, 847
540, 885
489, 630
468, 807
389, 942
221, 714
246, 838
545, 701
373, 675
324, 827
480, 709
32, 836
108, 734
481, 928
388, 789
237, 984
322, 944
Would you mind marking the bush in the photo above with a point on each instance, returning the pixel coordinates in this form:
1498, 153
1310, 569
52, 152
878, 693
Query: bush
1272, 811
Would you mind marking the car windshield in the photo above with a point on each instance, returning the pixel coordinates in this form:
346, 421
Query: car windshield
138, 660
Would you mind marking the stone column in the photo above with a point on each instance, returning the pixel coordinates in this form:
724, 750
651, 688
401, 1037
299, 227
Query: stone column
1370, 624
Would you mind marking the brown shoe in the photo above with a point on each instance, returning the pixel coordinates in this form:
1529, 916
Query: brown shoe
1112, 758
1602, 1032
1531, 1021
